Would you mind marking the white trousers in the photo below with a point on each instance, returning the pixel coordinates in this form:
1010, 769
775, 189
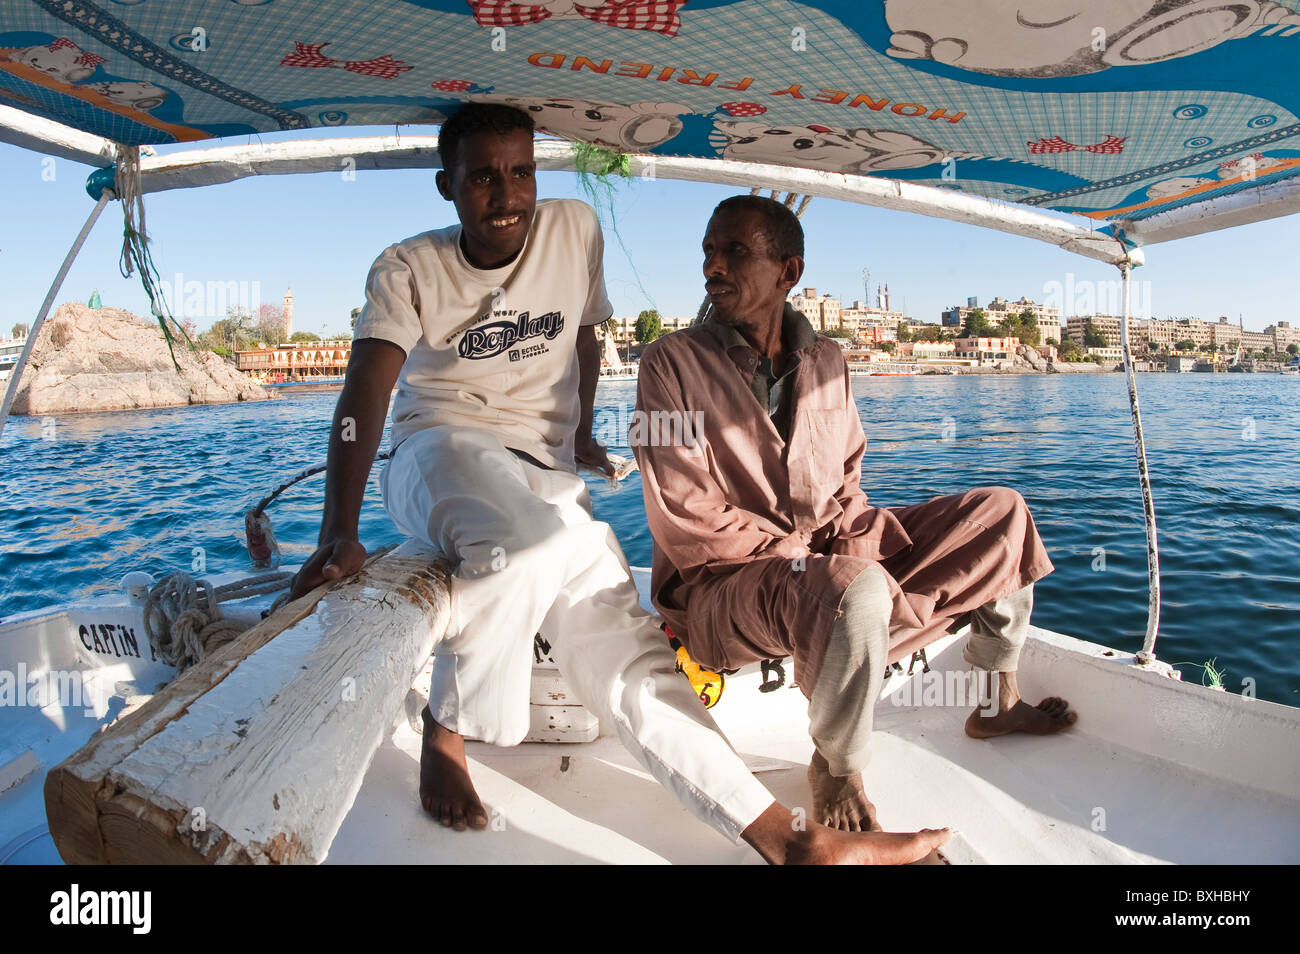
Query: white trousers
531, 560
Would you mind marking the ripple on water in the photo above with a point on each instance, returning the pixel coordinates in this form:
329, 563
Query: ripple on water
108, 493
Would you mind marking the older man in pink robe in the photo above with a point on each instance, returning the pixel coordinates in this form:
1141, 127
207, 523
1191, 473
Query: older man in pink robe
750, 447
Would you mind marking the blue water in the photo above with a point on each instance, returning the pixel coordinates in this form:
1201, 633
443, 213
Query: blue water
86, 498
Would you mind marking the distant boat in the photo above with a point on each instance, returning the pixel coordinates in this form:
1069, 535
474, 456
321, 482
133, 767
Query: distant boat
612, 367
882, 369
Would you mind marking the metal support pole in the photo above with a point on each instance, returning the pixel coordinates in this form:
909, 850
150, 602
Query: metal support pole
12, 391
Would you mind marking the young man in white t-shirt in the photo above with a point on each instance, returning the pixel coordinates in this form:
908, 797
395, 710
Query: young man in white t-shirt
487, 328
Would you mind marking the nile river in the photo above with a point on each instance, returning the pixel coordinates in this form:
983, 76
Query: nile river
88, 497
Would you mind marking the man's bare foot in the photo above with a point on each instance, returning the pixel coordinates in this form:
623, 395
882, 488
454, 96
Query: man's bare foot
840, 801
446, 791
1013, 714
779, 837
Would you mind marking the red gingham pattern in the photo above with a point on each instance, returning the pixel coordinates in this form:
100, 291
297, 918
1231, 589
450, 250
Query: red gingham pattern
89, 59
505, 13
658, 16
1110, 146
1054, 144
385, 67
62, 43
452, 86
743, 109
309, 56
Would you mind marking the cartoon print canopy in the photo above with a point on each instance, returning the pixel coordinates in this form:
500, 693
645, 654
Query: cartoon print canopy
1113, 109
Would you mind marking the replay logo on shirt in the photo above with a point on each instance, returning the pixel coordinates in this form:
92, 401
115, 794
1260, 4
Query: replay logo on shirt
491, 340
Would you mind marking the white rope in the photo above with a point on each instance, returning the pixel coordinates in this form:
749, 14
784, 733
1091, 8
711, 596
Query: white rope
183, 618
11, 392
1147, 655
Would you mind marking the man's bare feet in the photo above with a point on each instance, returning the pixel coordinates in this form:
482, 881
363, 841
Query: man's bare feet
840, 801
446, 791
780, 838
1013, 714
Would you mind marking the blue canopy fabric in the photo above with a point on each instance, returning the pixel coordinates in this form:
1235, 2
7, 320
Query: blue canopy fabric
1106, 108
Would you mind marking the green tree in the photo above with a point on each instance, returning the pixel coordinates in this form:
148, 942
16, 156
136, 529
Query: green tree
977, 324
839, 332
1053, 342
888, 347
1187, 344
18, 331
230, 334
1092, 338
1293, 349
1070, 350
1028, 331
648, 326
298, 336
904, 332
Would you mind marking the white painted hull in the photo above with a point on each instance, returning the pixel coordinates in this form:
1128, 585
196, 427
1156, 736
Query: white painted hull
1156, 770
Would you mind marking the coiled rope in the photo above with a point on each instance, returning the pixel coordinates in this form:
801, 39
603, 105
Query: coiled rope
183, 618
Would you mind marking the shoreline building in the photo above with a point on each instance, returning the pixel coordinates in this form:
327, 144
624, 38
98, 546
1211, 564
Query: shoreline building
1164, 333
1047, 317
872, 324
625, 328
985, 350
822, 311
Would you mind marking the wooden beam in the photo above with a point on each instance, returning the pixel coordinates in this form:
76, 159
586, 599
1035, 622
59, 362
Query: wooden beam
255, 754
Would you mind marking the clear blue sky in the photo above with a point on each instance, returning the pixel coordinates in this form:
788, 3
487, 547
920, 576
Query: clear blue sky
319, 234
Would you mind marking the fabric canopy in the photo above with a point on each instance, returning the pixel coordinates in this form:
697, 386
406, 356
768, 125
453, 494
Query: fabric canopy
1118, 110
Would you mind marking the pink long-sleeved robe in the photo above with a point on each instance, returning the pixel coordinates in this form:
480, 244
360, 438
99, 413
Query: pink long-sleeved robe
756, 540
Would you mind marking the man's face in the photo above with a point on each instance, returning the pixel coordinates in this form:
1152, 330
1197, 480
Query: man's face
745, 281
494, 188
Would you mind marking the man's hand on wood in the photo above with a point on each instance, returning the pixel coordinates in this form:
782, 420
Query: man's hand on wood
334, 559
593, 455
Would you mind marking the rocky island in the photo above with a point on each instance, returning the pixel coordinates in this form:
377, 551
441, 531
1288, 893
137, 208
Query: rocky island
103, 359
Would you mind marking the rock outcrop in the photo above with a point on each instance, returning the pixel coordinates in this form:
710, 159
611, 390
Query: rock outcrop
102, 359
1029, 357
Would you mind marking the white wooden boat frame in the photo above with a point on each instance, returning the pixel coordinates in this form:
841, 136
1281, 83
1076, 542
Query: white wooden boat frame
1151, 759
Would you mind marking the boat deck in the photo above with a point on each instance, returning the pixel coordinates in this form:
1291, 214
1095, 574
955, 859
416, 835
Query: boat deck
1077, 798
1155, 771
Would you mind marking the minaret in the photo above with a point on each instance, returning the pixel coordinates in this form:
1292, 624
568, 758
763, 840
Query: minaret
886, 296
288, 314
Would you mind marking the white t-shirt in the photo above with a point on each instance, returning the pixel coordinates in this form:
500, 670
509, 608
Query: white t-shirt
492, 348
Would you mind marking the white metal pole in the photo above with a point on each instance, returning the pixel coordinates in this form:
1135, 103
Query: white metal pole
1147, 655
12, 391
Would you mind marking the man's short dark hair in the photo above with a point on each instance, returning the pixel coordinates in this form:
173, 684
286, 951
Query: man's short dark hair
784, 233
476, 118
